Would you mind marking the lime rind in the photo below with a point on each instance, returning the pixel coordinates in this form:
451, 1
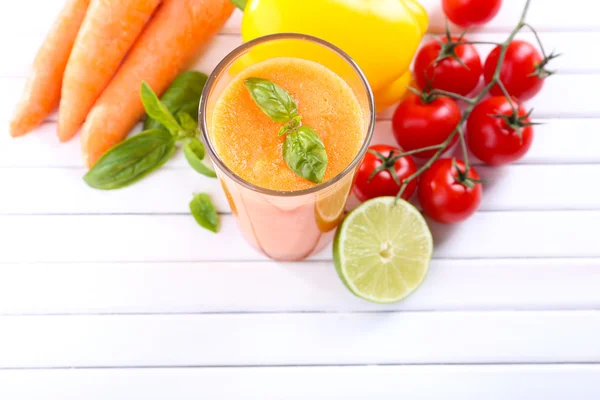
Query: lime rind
383, 249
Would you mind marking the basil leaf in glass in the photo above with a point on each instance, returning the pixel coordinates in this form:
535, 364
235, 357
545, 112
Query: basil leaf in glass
204, 212
303, 149
272, 99
157, 110
305, 154
194, 154
183, 95
131, 160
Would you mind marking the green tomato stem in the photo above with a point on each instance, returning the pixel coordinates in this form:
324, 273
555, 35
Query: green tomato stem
452, 95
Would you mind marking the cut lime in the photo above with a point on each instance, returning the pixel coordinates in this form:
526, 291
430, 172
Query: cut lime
382, 250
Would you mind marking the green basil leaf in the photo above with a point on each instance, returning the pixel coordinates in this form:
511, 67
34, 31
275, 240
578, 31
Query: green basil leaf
131, 160
183, 95
194, 153
241, 4
195, 147
187, 122
204, 212
272, 99
157, 110
305, 154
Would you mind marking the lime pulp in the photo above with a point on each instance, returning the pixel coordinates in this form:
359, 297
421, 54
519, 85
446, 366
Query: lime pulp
382, 250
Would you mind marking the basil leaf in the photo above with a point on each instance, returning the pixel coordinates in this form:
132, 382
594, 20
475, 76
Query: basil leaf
194, 153
204, 212
305, 154
187, 122
272, 99
195, 147
131, 160
183, 95
241, 4
157, 110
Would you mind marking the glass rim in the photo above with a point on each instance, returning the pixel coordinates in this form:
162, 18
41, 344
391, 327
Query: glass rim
226, 61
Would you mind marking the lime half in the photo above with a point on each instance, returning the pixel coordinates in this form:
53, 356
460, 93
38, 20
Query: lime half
382, 250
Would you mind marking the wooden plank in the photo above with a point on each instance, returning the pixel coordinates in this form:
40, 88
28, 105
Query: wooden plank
551, 145
574, 44
561, 96
491, 382
518, 187
65, 192
568, 88
217, 287
163, 238
24, 50
564, 141
41, 148
299, 339
548, 15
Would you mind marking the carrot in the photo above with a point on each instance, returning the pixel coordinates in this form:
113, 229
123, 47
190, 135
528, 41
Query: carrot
178, 30
106, 35
42, 90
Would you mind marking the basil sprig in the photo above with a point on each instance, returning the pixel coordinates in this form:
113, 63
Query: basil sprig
303, 149
134, 158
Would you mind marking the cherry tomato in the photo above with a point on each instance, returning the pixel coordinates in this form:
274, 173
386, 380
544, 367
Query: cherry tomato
518, 72
419, 124
383, 183
466, 13
442, 194
448, 73
495, 140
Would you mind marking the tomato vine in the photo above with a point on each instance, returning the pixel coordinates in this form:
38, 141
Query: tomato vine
473, 101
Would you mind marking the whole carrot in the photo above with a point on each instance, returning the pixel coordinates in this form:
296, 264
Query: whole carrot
177, 31
106, 35
42, 91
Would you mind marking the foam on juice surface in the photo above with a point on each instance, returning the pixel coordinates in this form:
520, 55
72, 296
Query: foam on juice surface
246, 139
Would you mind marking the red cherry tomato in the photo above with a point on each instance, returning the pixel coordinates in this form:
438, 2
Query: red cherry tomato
492, 139
382, 183
448, 73
466, 13
443, 197
518, 70
418, 124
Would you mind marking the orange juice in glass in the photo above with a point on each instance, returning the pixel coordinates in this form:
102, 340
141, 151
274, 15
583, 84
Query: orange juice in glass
284, 215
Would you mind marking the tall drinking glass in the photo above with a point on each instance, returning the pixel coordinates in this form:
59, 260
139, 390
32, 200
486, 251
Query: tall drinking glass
287, 225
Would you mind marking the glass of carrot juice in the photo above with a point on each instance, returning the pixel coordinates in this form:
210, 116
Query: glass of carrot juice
284, 215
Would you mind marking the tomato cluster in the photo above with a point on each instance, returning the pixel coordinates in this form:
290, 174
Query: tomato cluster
496, 128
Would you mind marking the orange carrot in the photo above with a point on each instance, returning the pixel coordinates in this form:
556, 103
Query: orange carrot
177, 31
106, 35
42, 90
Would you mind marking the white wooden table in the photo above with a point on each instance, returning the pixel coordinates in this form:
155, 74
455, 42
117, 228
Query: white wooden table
119, 295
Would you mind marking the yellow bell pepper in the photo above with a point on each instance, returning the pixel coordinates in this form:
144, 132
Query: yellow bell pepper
382, 36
